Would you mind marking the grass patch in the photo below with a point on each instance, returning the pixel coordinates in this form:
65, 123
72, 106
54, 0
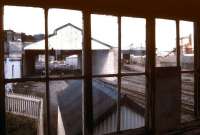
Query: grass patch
20, 125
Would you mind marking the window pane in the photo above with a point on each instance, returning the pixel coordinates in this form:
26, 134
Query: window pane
165, 43
133, 47
66, 107
187, 45
23, 26
187, 97
104, 31
25, 108
104, 105
65, 42
133, 102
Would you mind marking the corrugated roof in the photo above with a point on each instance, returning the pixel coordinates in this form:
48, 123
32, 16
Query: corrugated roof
67, 37
104, 103
70, 104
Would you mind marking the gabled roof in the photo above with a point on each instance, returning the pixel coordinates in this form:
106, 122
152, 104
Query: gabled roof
104, 104
70, 104
67, 43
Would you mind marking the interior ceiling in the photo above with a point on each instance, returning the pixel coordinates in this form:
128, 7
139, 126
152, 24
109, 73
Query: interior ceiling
188, 9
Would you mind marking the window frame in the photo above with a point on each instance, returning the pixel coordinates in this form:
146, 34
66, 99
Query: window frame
87, 76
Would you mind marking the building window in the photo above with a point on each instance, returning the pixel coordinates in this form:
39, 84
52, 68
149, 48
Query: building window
19, 35
65, 42
187, 65
166, 43
50, 87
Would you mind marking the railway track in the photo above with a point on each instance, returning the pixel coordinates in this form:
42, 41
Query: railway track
134, 88
136, 91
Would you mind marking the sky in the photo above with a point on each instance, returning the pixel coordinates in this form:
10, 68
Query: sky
103, 27
23, 19
166, 33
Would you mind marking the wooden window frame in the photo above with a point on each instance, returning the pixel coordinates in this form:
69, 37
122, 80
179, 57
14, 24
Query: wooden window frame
87, 70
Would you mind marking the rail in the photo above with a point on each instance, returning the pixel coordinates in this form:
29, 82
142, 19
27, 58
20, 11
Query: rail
26, 105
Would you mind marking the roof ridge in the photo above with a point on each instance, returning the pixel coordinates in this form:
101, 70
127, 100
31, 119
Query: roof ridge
70, 24
77, 28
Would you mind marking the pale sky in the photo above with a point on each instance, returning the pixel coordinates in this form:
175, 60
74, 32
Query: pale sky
104, 27
22, 19
166, 33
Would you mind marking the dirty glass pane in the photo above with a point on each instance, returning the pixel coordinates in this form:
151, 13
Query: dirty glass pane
104, 32
66, 107
104, 92
23, 26
133, 102
26, 108
133, 46
65, 42
165, 43
187, 97
187, 45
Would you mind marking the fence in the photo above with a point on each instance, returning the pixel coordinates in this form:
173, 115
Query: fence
26, 105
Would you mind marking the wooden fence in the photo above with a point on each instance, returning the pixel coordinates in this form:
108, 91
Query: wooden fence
26, 105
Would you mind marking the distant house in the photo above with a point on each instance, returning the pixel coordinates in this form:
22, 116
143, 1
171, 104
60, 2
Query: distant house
13, 45
15, 42
104, 109
66, 41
